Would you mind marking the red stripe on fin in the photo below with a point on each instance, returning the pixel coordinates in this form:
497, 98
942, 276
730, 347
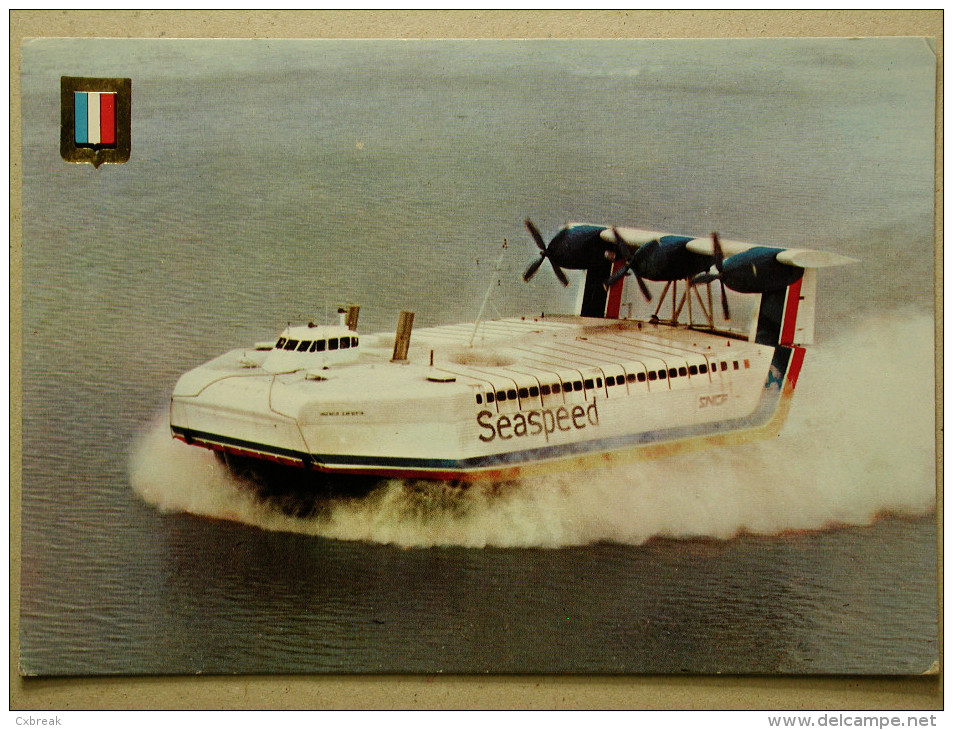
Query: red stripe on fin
790, 313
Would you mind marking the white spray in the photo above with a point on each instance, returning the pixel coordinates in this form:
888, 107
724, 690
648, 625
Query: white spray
859, 444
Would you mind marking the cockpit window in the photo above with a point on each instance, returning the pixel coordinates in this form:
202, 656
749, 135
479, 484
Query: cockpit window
303, 347
281, 343
353, 342
291, 344
333, 343
345, 343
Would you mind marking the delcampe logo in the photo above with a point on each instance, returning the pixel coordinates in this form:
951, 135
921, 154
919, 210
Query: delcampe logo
96, 119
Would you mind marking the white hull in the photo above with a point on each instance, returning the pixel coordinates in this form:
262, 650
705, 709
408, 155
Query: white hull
447, 419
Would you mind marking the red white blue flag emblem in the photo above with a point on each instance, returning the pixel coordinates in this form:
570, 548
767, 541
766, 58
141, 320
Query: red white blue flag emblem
96, 119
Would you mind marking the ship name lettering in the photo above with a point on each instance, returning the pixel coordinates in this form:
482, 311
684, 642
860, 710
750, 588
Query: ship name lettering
533, 423
712, 400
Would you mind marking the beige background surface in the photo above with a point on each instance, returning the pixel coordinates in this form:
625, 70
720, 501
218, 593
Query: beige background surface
442, 692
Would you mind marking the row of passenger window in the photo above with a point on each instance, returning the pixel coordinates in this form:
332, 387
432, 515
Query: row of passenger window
589, 383
334, 343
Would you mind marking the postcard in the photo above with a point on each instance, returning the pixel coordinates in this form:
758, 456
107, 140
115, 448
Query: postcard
555, 357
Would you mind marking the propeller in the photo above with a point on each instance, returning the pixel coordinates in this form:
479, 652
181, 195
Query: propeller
628, 266
544, 254
719, 256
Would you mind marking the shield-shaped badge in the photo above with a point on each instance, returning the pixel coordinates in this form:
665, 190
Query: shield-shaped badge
96, 119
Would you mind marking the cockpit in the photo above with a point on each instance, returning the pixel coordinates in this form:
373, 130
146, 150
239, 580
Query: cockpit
329, 344
312, 347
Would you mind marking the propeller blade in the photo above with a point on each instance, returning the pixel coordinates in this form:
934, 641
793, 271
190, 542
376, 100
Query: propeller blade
633, 263
724, 301
718, 253
645, 290
531, 271
621, 249
559, 274
537, 236
608, 283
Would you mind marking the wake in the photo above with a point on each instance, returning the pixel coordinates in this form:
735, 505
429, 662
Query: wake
859, 444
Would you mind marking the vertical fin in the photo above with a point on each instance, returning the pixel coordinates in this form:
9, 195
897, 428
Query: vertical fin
802, 309
594, 295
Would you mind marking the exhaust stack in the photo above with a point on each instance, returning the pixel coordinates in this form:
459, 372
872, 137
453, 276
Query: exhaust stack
402, 341
351, 320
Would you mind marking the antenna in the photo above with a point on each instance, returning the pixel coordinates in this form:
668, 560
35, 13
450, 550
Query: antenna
486, 297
